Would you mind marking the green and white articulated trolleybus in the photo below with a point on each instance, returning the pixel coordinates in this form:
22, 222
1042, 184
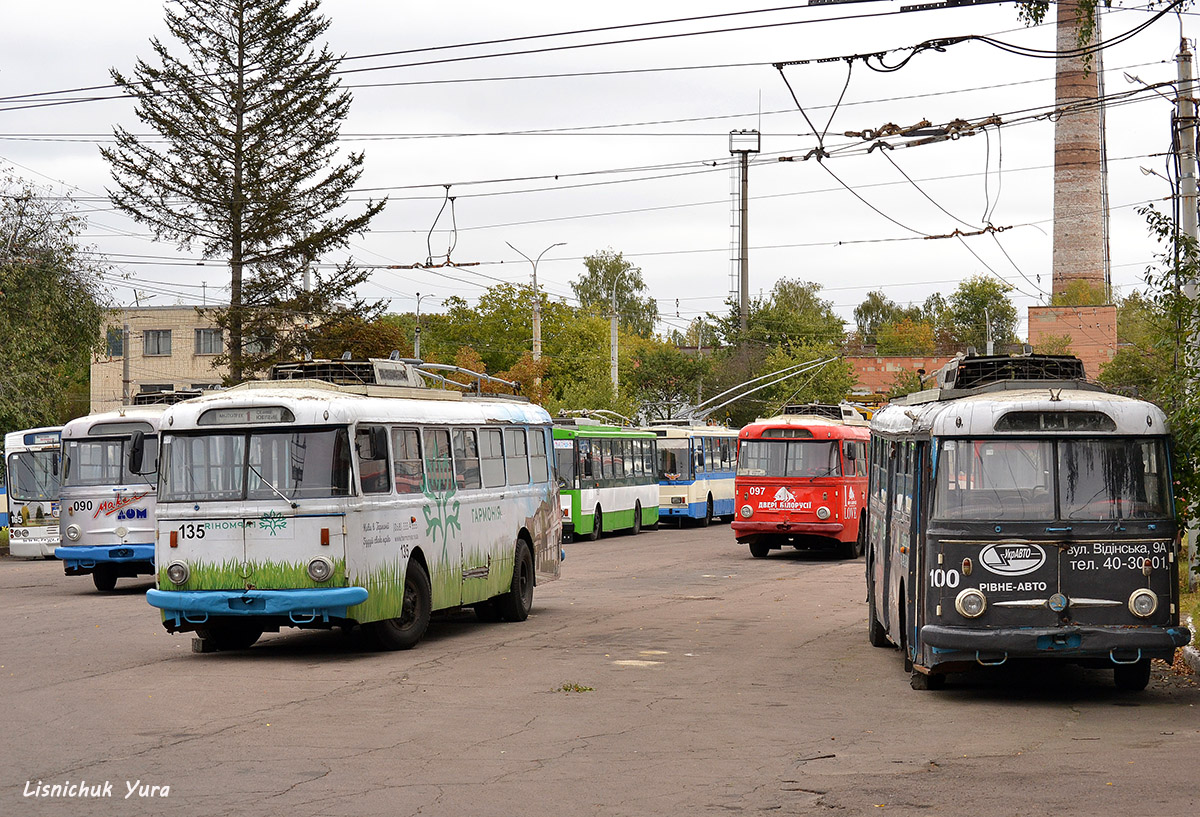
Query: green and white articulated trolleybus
607, 477
301, 503
1018, 512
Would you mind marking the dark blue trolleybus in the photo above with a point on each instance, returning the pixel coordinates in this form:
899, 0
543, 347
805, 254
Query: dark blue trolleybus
1017, 511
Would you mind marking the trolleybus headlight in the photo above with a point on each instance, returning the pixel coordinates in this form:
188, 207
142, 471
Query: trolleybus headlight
747, 512
1143, 603
73, 533
822, 512
970, 603
178, 572
320, 569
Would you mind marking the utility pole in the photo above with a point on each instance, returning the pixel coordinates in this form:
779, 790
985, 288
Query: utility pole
743, 143
613, 334
537, 299
1186, 131
125, 382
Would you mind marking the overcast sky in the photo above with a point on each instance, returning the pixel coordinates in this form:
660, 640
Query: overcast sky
622, 155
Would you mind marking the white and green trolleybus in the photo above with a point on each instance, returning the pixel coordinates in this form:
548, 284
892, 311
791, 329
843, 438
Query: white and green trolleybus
607, 478
303, 503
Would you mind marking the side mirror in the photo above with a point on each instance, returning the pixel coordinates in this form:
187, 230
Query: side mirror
137, 449
54, 465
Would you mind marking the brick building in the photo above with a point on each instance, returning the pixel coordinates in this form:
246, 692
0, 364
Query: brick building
170, 347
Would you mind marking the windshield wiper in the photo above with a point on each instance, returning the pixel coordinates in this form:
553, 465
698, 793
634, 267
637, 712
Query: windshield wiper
267, 482
824, 473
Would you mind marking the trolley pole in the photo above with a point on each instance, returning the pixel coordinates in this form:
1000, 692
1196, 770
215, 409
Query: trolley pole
1186, 127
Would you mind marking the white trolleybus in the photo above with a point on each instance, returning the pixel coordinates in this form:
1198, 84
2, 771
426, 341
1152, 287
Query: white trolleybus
107, 520
696, 467
301, 503
1019, 512
32, 462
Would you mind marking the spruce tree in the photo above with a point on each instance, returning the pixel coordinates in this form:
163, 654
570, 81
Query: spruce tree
245, 166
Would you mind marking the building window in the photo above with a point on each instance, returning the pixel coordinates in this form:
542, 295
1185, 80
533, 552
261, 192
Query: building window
115, 340
156, 342
209, 342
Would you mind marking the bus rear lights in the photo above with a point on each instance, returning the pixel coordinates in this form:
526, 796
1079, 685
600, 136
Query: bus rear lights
178, 573
320, 569
566, 514
324, 537
822, 512
967, 567
747, 512
1143, 603
970, 603
678, 500
73, 533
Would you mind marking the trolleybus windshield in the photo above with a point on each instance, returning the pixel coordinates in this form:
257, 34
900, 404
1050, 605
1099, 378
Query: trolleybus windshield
33, 476
104, 462
673, 460
789, 458
1095, 479
256, 465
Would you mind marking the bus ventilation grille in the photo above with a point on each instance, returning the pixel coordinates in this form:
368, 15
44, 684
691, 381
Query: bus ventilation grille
970, 372
164, 398
373, 372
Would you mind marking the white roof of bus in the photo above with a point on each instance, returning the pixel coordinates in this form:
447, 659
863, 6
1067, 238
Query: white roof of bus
979, 412
323, 405
16, 439
80, 426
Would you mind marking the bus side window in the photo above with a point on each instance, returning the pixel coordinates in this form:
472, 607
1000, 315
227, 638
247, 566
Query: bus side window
639, 458
406, 460
618, 459
516, 456
585, 457
370, 443
491, 457
699, 453
466, 459
439, 474
538, 459
651, 453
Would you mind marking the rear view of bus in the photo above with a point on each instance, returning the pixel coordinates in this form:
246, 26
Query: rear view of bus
33, 463
801, 481
108, 500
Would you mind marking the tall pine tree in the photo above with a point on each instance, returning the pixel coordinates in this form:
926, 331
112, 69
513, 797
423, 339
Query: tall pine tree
244, 167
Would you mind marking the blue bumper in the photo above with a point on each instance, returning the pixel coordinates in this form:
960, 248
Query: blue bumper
300, 606
86, 557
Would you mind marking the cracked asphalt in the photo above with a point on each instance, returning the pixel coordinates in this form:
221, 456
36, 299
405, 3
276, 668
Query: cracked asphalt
665, 674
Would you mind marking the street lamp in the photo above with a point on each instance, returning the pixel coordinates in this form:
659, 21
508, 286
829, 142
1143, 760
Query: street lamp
417, 333
537, 301
613, 333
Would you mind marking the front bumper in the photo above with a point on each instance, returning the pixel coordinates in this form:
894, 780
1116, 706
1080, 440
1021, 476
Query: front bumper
77, 558
298, 606
741, 529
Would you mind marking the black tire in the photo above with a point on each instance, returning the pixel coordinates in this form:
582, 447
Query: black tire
876, 633
1132, 677
706, 520
758, 550
922, 681
228, 636
597, 525
637, 519
404, 632
515, 604
105, 578
908, 662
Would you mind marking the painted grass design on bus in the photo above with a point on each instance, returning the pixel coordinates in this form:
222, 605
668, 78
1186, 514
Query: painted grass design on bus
267, 575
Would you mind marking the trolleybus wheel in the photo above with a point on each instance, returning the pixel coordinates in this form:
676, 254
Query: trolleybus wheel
105, 578
927, 681
597, 524
517, 602
403, 633
1132, 677
637, 518
758, 550
876, 634
706, 520
230, 635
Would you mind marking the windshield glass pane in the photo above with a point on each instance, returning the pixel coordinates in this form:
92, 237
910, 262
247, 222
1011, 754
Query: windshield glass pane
33, 475
994, 479
564, 461
106, 462
1113, 479
296, 464
673, 460
789, 458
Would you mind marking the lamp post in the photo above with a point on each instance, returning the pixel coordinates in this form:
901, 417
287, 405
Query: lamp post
417, 333
537, 300
613, 333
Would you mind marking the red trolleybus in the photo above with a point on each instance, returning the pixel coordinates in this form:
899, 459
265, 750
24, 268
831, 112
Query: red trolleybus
802, 480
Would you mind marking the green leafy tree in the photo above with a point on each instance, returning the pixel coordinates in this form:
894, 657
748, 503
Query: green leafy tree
907, 337
1080, 293
976, 302
828, 383
876, 311
792, 315
607, 272
244, 166
664, 381
53, 304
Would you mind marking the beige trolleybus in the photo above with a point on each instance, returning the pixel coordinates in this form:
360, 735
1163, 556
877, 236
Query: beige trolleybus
301, 503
